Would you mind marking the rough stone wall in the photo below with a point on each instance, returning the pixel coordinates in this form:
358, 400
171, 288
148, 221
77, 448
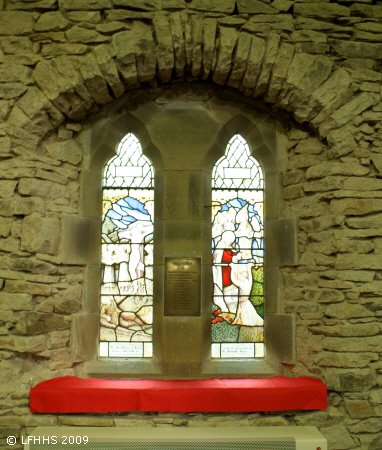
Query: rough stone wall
61, 61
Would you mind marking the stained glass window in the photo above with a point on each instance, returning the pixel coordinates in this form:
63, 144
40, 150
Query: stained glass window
127, 253
237, 254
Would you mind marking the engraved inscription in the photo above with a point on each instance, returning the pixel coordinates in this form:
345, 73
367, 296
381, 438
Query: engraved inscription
182, 287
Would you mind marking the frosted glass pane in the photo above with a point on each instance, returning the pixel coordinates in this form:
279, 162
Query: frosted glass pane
103, 349
128, 171
147, 349
215, 350
260, 350
237, 173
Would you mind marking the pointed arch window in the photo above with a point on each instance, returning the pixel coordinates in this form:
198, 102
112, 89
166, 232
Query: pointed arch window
237, 254
126, 303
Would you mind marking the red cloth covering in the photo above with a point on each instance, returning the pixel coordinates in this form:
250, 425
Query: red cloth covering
74, 395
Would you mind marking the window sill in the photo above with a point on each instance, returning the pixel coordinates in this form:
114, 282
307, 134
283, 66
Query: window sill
75, 395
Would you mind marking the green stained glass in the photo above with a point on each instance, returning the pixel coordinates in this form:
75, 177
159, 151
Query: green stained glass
237, 254
126, 317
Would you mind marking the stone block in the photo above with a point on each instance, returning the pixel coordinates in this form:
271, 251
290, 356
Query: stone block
52, 50
145, 54
300, 65
58, 339
352, 344
78, 34
40, 234
226, 44
32, 323
281, 241
354, 49
369, 11
375, 397
376, 443
347, 112
5, 149
68, 301
188, 127
85, 16
21, 206
270, 55
366, 426
311, 146
347, 310
91, 200
67, 151
15, 302
5, 226
84, 336
92, 289
17, 286
164, 47
223, 6
22, 344
34, 104
81, 6
42, 188
320, 418
358, 409
337, 359
63, 85
338, 437
124, 48
280, 337
133, 423
321, 11
255, 59
332, 94
39, 4
280, 71
51, 21
85, 421
196, 44
81, 238
209, 33
14, 73
355, 207
255, 7
16, 23
240, 60
327, 169
93, 79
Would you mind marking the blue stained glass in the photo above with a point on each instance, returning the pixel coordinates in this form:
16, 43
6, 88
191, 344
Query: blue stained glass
237, 203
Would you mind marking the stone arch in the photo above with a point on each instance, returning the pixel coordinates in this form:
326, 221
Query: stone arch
227, 51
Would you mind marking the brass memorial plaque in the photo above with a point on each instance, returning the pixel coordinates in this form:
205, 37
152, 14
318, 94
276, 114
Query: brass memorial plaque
182, 287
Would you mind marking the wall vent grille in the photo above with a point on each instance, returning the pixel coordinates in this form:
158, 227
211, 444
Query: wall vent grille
253, 444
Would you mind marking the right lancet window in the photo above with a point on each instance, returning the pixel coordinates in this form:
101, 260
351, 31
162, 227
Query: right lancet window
237, 254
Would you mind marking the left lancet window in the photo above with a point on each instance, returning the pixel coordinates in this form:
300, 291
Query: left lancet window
126, 302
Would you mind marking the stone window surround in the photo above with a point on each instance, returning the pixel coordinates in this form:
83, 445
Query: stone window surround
264, 137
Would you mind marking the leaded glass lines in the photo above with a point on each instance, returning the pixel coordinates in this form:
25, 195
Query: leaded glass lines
126, 315
129, 168
237, 169
237, 254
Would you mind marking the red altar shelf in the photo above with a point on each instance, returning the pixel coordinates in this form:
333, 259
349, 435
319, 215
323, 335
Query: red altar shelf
74, 395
